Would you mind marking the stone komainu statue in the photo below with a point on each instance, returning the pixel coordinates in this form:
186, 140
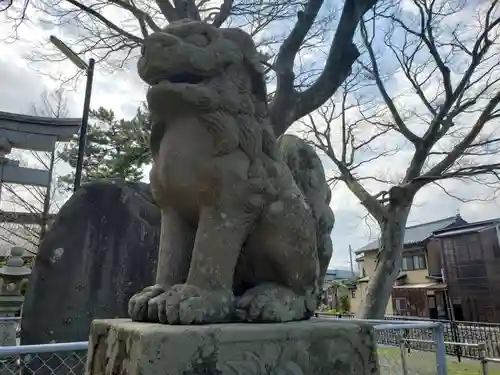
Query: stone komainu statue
246, 221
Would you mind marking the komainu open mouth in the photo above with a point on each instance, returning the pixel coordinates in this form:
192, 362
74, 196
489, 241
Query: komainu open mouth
180, 78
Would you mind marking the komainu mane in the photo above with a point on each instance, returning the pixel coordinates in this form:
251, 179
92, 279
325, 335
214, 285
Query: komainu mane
245, 217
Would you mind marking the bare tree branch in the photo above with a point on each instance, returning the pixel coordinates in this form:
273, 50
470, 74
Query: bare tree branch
105, 21
284, 96
139, 14
223, 14
460, 148
341, 56
374, 70
168, 10
434, 118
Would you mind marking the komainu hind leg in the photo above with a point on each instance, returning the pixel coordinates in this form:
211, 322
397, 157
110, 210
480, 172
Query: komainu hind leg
271, 302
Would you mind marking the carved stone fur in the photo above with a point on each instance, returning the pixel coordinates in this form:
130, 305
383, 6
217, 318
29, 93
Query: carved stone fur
245, 218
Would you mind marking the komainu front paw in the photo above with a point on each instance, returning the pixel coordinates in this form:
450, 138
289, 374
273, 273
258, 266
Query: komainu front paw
188, 304
271, 303
138, 304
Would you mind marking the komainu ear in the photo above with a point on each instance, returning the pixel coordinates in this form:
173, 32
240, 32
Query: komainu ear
252, 61
256, 72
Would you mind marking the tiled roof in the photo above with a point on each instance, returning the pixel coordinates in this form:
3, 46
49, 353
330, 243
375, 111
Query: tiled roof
418, 233
478, 226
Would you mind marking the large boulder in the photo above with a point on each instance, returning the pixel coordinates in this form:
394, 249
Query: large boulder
101, 249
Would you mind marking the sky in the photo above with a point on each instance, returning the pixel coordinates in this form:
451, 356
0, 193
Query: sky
22, 84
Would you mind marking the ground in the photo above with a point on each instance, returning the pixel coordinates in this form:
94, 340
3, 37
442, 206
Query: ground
423, 363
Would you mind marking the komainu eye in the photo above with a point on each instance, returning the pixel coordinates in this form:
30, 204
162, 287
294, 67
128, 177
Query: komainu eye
199, 40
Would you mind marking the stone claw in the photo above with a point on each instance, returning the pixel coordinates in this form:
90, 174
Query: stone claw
271, 303
138, 305
188, 304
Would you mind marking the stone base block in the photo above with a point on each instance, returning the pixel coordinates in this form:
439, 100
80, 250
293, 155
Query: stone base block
315, 347
8, 332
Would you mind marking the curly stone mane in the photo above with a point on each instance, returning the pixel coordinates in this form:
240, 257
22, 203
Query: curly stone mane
244, 123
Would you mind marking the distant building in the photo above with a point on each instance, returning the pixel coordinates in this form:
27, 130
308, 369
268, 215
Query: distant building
419, 289
468, 257
335, 286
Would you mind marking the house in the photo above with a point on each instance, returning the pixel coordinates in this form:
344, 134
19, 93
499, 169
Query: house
470, 258
333, 286
419, 289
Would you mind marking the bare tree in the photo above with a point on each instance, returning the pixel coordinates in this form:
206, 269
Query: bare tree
31, 207
113, 31
424, 96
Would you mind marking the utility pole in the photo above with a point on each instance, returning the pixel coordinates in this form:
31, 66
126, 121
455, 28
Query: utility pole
89, 70
350, 259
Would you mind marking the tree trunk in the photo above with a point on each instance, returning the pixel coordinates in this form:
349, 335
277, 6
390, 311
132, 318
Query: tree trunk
374, 303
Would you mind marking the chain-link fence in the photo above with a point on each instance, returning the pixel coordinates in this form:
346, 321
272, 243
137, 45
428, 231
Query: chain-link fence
70, 358
48, 359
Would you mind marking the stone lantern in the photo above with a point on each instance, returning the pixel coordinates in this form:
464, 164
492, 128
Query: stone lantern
12, 275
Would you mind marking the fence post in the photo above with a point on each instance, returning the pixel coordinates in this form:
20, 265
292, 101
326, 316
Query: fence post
482, 358
402, 349
455, 338
438, 335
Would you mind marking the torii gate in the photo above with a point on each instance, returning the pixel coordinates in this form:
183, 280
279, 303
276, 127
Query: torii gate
31, 133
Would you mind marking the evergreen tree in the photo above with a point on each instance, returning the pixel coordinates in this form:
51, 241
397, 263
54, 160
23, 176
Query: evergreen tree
115, 148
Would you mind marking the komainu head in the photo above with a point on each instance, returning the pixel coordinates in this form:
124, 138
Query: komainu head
192, 65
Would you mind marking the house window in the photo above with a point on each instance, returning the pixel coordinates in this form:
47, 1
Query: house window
353, 293
400, 304
419, 262
474, 247
461, 250
414, 262
448, 250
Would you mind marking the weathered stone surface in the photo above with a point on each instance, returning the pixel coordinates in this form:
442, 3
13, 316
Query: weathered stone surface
8, 335
246, 220
312, 347
101, 248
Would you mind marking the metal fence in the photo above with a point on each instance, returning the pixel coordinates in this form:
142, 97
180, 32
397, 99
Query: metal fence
393, 360
486, 362
46, 359
455, 332
70, 358
417, 362
464, 332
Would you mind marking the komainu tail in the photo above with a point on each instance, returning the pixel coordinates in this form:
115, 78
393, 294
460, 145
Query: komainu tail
309, 175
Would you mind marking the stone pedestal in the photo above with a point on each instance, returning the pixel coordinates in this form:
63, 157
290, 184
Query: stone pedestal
8, 332
315, 347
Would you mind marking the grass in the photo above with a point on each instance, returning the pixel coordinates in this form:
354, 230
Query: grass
423, 363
